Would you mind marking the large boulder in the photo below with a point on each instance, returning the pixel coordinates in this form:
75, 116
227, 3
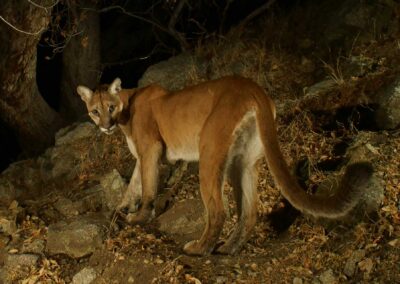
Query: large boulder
62, 160
175, 73
113, 189
76, 239
8, 219
184, 221
17, 267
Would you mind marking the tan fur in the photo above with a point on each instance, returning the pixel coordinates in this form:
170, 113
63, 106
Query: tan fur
228, 126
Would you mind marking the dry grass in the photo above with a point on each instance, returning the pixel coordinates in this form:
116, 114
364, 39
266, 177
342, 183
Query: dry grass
334, 71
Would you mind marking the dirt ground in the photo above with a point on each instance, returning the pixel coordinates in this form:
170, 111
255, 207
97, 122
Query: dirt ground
307, 251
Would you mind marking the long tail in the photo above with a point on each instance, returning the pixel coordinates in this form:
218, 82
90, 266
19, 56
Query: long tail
351, 187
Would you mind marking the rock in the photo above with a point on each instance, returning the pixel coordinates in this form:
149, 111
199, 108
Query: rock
297, 280
354, 18
74, 132
4, 240
17, 266
8, 218
174, 73
20, 181
85, 276
328, 277
94, 200
184, 220
351, 264
114, 188
387, 115
4, 279
62, 161
8, 224
321, 88
8, 192
366, 265
15, 260
359, 66
76, 239
307, 65
36, 246
221, 280
68, 208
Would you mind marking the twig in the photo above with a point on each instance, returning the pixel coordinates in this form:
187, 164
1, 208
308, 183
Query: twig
256, 13
43, 7
19, 30
122, 62
172, 24
172, 32
201, 28
224, 13
122, 9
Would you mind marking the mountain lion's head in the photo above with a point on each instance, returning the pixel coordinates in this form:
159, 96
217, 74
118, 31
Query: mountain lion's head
104, 105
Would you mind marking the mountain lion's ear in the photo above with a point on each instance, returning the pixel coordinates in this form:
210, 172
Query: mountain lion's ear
115, 86
85, 93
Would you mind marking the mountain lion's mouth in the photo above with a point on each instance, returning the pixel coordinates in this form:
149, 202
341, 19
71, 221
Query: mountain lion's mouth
108, 131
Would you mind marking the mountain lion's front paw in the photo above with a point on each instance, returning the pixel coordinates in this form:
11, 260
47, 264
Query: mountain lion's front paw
130, 205
141, 217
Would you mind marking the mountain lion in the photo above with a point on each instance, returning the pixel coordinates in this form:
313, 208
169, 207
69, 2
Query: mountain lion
227, 125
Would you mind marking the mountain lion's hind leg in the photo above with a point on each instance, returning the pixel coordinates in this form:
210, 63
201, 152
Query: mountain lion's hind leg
214, 148
211, 193
243, 177
242, 173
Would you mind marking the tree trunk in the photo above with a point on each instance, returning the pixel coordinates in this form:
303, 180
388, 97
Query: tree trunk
22, 108
81, 60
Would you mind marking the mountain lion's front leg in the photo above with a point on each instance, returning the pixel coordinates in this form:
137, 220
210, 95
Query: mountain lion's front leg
133, 194
149, 161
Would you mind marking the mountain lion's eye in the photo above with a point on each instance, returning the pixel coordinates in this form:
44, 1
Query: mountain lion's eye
95, 112
111, 108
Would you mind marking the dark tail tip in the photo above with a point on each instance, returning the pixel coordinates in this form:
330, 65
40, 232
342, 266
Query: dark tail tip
357, 174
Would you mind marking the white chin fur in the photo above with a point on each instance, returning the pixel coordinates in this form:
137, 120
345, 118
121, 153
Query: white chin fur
109, 130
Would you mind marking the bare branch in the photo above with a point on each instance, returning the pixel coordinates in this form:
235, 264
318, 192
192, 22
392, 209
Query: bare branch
21, 31
256, 13
122, 62
171, 32
175, 14
43, 7
59, 47
201, 27
172, 24
224, 13
122, 9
